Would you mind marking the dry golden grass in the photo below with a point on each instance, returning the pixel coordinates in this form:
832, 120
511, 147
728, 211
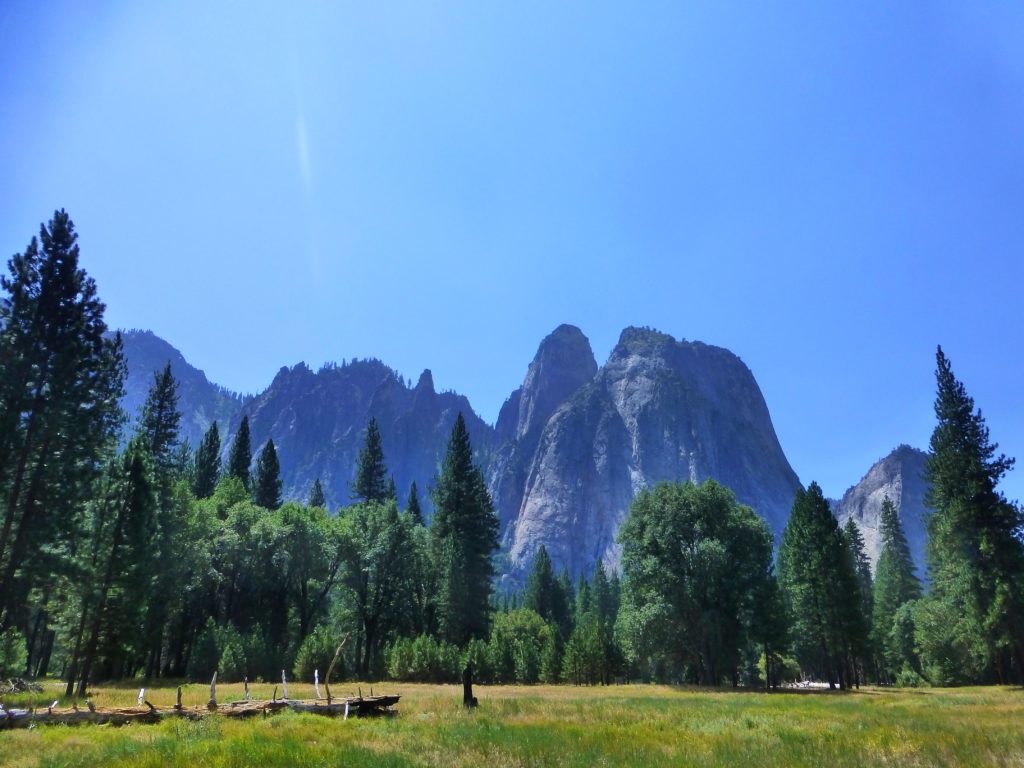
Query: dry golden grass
561, 726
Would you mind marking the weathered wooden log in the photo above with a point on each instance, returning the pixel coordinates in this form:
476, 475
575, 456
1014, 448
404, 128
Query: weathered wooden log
358, 706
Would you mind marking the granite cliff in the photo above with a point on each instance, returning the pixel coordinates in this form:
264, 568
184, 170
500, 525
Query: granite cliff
658, 410
901, 477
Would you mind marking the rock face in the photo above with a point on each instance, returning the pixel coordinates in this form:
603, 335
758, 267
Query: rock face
659, 410
901, 477
318, 423
564, 362
200, 401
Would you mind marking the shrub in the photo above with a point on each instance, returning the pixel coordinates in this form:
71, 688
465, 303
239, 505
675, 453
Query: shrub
316, 653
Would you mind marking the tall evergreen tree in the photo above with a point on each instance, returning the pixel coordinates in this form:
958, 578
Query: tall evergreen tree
158, 425
975, 551
316, 495
207, 467
61, 380
465, 534
267, 486
895, 585
158, 437
819, 583
113, 590
412, 506
545, 596
240, 458
861, 602
371, 483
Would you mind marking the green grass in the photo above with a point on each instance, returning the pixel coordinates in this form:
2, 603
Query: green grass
559, 726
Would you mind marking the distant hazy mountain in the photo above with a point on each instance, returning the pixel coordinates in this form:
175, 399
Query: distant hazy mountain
200, 401
571, 447
318, 423
900, 476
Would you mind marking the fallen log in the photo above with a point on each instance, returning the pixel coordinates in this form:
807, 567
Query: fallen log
356, 705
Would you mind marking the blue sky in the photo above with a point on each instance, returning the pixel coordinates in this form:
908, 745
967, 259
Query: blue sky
829, 190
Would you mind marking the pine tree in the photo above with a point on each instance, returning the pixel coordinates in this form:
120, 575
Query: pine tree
316, 495
371, 474
158, 436
158, 425
267, 486
545, 596
819, 583
975, 553
207, 466
412, 506
861, 602
895, 585
465, 532
392, 492
240, 458
61, 380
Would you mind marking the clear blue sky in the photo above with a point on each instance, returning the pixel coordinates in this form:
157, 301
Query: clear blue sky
829, 190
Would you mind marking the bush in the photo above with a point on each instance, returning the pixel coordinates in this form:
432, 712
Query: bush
13, 653
423, 660
908, 678
233, 665
316, 653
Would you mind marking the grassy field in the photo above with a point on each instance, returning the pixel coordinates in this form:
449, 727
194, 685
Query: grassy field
557, 725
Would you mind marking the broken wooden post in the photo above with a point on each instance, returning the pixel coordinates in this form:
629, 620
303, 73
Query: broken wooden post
177, 704
212, 703
142, 697
246, 681
284, 686
316, 682
468, 699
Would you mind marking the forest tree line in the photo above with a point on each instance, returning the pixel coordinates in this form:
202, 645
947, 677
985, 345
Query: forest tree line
124, 553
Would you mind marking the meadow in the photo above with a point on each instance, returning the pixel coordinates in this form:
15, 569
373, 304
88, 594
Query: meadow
557, 725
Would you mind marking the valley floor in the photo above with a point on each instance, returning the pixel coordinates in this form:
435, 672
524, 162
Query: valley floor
637, 725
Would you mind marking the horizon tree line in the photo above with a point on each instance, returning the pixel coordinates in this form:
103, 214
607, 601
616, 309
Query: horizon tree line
150, 560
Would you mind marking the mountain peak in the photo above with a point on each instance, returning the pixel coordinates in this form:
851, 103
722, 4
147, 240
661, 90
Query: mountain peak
564, 362
426, 380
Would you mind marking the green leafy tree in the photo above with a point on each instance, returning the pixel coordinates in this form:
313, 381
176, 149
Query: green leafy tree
377, 551
465, 534
267, 484
240, 458
371, 483
693, 560
975, 550
316, 495
819, 582
895, 585
207, 464
61, 380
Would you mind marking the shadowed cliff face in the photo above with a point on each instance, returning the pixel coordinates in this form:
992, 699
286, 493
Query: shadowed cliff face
659, 410
200, 401
564, 362
318, 423
901, 477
